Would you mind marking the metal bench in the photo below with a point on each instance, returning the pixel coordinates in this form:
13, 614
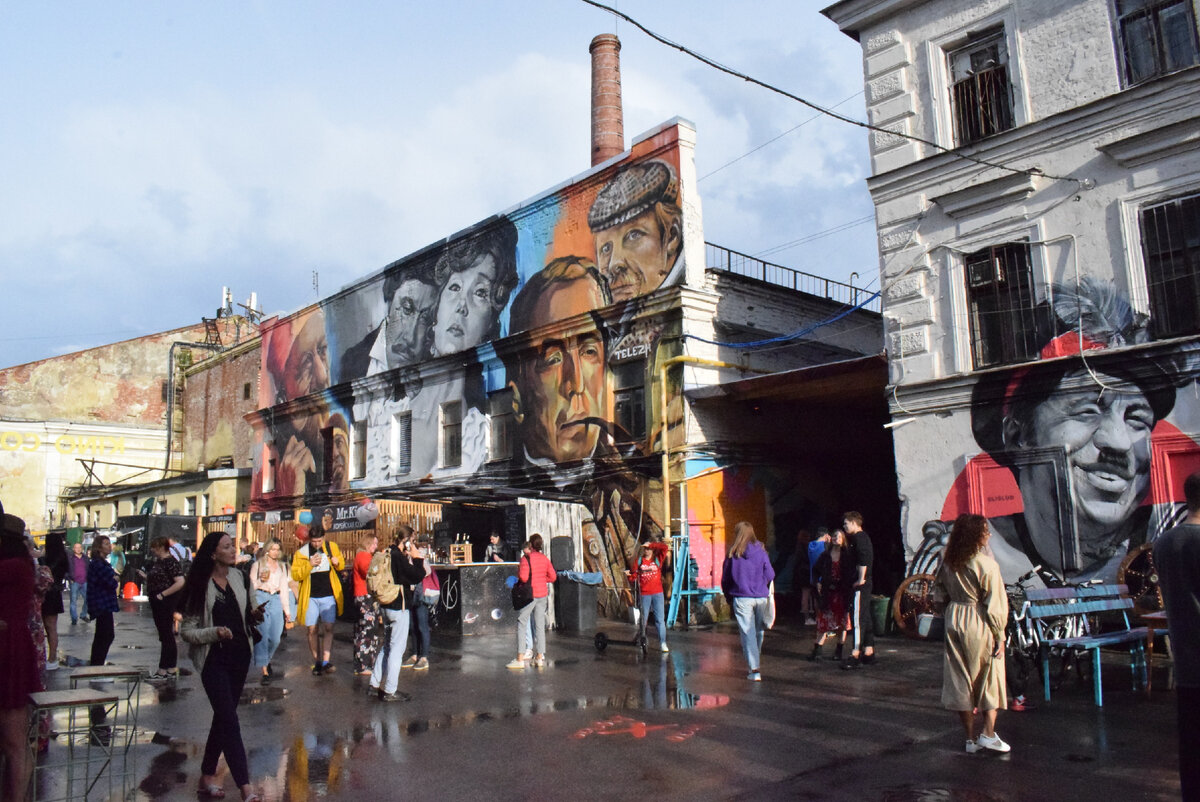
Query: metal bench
1063, 617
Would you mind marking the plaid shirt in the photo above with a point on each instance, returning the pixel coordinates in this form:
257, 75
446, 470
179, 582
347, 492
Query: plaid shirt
101, 587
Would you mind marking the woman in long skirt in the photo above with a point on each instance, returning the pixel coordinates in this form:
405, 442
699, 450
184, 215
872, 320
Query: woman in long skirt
973, 667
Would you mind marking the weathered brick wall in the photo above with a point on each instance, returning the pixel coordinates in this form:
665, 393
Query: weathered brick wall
216, 398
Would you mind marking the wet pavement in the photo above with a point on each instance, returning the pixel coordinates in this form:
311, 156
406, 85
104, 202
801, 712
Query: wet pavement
617, 725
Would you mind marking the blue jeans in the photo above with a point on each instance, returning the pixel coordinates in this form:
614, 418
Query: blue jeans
420, 615
270, 628
78, 592
386, 675
750, 615
653, 601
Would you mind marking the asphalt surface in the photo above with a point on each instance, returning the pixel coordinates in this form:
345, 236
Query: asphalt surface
620, 725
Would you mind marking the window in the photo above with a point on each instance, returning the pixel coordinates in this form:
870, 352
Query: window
629, 382
1156, 37
246, 391
1000, 305
189, 505
401, 447
452, 434
980, 98
204, 504
1171, 249
358, 450
500, 420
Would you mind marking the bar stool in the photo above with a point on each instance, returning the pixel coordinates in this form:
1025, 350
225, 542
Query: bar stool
131, 678
89, 750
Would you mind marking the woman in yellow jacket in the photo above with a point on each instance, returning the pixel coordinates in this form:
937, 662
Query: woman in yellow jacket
315, 566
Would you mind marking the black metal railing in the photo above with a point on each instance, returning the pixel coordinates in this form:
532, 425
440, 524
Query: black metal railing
718, 258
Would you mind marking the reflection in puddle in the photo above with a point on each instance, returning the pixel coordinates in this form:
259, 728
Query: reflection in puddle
935, 795
258, 694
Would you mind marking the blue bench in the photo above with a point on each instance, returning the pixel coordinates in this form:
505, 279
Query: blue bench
1063, 617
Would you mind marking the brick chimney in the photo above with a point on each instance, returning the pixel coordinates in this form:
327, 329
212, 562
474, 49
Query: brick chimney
608, 126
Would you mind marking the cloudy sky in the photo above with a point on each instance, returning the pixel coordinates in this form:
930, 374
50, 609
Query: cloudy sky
153, 153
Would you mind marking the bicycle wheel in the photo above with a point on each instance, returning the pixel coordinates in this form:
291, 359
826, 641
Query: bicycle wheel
1138, 573
913, 598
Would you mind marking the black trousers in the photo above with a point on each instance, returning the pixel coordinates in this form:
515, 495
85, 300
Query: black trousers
164, 621
1188, 700
102, 638
223, 678
861, 619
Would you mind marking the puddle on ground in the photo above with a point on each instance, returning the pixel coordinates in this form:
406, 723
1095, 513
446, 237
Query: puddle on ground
258, 694
908, 794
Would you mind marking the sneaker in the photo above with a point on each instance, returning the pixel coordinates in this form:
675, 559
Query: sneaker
52, 666
810, 622
528, 655
851, 663
972, 747
410, 662
328, 668
665, 648
422, 665
993, 743
754, 676
373, 691
516, 665
868, 659
398, 696
265, 679
317, 669
540, 661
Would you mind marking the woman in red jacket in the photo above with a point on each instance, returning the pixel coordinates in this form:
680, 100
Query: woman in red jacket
649, 578
537, 570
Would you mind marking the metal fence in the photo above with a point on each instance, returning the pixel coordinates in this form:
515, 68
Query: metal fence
719, 258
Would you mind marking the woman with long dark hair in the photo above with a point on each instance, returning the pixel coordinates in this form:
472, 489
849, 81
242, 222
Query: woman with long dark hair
164, 583
746, 579
19, 674
973, 667
54, 557
834, 572
101, 598
215, 612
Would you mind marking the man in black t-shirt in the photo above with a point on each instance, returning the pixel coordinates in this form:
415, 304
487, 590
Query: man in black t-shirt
860, 608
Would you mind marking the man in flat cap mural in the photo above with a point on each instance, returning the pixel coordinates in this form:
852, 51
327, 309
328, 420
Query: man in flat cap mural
637, 228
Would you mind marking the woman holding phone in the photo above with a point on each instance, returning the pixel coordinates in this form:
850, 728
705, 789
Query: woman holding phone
269, 581
215, 624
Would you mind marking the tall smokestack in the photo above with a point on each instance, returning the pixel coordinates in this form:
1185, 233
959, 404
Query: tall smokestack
608, 125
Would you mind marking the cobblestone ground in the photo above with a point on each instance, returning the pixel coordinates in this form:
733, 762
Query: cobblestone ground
619, 725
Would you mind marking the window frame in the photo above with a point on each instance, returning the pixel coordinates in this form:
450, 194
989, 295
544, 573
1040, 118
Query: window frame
1124, 65
501, 420
1160, 326
631, 391
400, 444
358, 449
977, 87
450, 421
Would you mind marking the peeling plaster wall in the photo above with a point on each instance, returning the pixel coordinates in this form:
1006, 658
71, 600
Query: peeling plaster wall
216, 398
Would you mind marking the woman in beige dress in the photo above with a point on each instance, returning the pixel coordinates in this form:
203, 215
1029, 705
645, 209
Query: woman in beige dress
973, 669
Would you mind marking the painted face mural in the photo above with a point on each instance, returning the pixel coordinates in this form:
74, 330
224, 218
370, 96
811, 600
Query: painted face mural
637, 229
524, 402
407, 323
1070, 442
562, 392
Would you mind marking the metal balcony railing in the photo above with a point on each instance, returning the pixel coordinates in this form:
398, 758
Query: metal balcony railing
718, 258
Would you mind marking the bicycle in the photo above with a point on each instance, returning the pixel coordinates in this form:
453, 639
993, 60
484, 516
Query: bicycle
1022, 641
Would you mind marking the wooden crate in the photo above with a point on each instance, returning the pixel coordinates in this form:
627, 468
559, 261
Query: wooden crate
460, 553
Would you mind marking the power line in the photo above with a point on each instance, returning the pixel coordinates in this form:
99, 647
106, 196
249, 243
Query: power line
816, 236
1032, 171
776, 138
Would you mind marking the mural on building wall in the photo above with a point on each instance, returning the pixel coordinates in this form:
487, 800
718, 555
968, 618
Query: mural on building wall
518, 354
1085, 450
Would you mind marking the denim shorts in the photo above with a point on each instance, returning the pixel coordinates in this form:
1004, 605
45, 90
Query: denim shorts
322, 608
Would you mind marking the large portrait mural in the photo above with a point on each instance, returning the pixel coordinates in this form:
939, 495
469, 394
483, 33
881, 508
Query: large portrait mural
517, 354
1082, 453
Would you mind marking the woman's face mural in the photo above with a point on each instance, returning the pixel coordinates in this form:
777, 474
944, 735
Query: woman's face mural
464, 310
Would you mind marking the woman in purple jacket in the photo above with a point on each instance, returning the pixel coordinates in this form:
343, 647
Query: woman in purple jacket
746, 580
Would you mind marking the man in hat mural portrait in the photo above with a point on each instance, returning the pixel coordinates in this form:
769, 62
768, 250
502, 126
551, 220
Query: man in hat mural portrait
637, 228
1074, 428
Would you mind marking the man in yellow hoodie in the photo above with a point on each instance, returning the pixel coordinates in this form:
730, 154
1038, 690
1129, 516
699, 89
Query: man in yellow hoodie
315, 566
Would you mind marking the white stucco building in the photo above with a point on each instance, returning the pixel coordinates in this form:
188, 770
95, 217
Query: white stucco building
1036, 178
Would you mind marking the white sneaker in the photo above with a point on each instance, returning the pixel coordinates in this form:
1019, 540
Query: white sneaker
993, 743
665, 648
52, 666
972, 747
528, 654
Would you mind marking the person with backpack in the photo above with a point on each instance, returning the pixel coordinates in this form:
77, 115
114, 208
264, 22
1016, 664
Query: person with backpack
392, 574
367, 635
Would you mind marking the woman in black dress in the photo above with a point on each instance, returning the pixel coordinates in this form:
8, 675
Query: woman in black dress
215, 612
54, 557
